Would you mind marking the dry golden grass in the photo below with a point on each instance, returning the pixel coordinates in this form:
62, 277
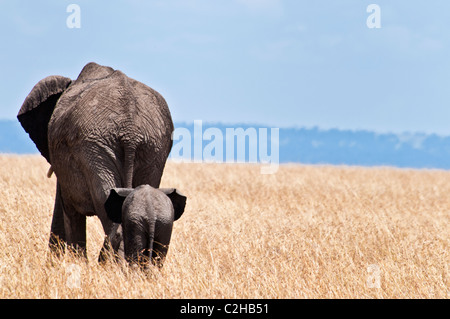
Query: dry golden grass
304, 232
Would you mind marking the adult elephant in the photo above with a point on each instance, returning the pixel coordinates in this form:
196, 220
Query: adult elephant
102, 131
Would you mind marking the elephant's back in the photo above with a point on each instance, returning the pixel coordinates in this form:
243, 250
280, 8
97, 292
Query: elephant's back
111, 109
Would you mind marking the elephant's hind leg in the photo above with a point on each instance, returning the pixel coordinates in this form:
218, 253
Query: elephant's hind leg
161, 243
75, 230
57, 231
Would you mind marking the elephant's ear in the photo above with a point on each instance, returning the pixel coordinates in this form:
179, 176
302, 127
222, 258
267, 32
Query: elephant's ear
38, 107
113, 204
178, 201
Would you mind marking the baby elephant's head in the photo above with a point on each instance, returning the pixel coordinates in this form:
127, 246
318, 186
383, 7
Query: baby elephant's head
146, 215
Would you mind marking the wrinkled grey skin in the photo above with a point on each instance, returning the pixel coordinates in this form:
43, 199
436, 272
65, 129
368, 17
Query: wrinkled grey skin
144, 218
102, 131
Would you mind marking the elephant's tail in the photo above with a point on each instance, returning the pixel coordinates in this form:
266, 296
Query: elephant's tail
130, 152
50, 172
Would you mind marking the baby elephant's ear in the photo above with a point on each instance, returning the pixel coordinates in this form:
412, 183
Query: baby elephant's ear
113, 204
178, 201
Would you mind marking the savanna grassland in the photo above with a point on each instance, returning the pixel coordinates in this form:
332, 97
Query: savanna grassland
304, 232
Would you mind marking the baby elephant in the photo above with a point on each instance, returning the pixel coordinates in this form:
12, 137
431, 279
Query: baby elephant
144, 218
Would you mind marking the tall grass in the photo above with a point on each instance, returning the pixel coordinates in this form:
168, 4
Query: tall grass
304, 232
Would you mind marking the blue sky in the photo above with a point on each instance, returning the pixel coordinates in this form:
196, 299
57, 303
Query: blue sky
273, 62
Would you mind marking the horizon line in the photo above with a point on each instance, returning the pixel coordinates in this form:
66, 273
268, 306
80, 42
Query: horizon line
243, 123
